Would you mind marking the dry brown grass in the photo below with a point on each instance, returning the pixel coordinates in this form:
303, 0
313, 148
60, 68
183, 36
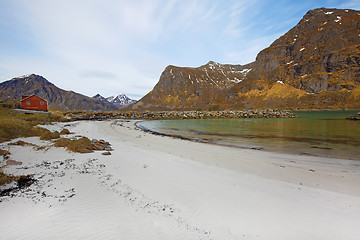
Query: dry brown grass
65, 132
22, 143
4, 152
5, 178
13, 128
14, 125
48, 135
13, 163
82, 145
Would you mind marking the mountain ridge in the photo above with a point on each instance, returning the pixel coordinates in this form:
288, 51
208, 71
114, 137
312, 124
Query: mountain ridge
99, 97
58, 99
315, 65
118, 101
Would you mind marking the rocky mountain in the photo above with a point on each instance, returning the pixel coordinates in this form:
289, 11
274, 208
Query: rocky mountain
99, 97
118, 101
181, 88
315, 65
58, 99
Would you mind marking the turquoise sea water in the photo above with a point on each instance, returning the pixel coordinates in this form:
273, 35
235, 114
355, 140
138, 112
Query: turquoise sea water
322, 133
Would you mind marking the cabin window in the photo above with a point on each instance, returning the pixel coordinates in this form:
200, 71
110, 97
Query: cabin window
27, 102
41, 103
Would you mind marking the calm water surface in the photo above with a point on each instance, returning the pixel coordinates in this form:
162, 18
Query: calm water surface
323, 133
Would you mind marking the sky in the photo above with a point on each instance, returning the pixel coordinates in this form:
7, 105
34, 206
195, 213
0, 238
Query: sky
122, 46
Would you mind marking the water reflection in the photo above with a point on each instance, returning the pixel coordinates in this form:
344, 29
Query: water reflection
324, 133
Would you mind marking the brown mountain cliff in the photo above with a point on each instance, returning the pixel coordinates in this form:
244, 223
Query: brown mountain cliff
315, 65
192, 88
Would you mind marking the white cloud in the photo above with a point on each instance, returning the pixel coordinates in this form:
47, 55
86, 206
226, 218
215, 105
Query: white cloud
90, 37
249, 51
123, 44
127, 44
238, 18
353, 4
98, 74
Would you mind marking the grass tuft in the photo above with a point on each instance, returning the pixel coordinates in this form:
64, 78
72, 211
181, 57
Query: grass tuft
82, 145
4, 153
65, 132
22, 143
5, 178
48, 135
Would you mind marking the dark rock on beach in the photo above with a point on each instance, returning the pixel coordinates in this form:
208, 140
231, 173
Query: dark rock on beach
357, 117
21, 183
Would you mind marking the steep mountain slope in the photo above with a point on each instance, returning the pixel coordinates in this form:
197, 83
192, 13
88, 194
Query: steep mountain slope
99, 97
58, 99
191, 88
314, 65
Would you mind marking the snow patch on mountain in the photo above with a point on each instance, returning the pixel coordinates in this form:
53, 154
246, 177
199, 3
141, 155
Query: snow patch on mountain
119, 101
120, 98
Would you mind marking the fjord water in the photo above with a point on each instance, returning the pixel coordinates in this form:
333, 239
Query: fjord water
321, 133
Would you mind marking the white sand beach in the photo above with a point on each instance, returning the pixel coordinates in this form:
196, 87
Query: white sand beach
155, 187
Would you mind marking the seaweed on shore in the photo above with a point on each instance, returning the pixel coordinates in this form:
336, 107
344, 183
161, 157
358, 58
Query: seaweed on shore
22, 183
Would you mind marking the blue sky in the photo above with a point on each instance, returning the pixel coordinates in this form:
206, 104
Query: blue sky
113, 46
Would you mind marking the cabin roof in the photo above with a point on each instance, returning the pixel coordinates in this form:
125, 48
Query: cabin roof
32, 96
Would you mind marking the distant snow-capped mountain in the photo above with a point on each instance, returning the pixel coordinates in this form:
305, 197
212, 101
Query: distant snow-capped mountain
120, 98
118, 101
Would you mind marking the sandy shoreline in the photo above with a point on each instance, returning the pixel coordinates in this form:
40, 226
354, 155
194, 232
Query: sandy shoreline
155, 187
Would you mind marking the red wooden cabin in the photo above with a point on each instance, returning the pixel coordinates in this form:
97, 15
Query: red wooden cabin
33, 102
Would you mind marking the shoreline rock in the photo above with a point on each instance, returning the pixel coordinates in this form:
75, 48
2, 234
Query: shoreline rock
167, 115
356, 118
